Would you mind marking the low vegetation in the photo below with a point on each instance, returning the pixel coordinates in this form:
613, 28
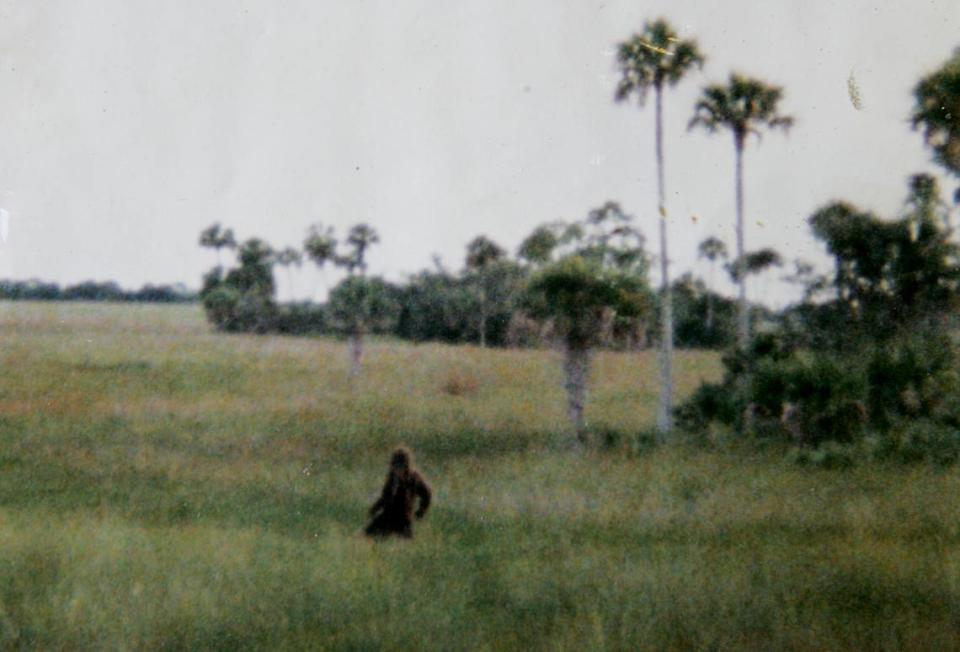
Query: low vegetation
873, 362
162, 486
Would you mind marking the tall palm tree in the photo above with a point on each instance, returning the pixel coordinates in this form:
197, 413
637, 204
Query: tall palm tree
712, 249
651, 59
743, 106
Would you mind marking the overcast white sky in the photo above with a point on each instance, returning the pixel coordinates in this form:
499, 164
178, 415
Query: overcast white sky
128, 126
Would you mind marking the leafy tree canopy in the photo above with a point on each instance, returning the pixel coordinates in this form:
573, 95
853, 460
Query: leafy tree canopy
599, 279
482, 251
937, 112
538, 247
360, 304
889, 273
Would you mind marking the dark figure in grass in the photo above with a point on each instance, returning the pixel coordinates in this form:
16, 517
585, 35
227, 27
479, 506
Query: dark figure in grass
393, 512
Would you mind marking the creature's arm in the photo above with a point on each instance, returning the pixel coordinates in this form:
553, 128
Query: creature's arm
425, 494
381, 501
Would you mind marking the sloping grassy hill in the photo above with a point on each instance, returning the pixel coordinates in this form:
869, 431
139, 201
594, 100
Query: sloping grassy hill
162, 486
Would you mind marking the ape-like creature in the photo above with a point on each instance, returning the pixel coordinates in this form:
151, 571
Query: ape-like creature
393, 512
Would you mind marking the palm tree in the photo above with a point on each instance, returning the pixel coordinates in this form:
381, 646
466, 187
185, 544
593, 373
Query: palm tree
742, 106
754, 263
216, 238
321, 247
599, 283
649, 60
712, 249
482, 254
287, 258
360, 238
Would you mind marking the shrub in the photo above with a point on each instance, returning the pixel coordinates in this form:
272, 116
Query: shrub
827, 394
917, 441
915, 379
818, 397
709, 403
220, 303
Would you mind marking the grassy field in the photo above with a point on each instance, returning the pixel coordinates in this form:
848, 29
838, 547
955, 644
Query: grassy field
165, 487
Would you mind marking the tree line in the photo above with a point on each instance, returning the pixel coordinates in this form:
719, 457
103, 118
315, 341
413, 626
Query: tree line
36, 290
481, 302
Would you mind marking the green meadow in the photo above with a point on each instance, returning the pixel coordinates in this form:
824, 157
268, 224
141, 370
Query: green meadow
163, 486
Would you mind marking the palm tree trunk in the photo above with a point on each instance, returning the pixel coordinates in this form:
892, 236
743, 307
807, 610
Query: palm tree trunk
576, 367
665, 409
356, 352
743, 326
743, 329
836, 278
483, 315
710, 307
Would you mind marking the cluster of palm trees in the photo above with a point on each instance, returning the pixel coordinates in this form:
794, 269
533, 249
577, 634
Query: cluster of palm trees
652, 59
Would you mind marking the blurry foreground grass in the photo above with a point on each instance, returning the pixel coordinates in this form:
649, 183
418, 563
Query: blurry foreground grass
165, 487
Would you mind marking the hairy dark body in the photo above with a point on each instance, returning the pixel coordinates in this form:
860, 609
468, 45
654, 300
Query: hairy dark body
393, 513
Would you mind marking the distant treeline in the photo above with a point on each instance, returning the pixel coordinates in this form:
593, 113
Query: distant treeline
439, 306
36, 290
481, 303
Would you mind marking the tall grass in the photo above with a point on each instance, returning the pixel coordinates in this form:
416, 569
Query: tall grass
162, 486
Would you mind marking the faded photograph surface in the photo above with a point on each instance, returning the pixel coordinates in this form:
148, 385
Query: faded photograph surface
661, 297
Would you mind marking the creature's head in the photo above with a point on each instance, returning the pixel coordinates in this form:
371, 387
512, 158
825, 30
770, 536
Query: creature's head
402, 459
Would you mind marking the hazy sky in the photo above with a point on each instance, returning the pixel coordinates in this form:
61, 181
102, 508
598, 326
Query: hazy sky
129, 125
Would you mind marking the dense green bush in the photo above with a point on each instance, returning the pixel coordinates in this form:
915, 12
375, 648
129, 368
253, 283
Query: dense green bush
915, 379
242, 300
870, 361
359, 304
903, 397
922, 440
702, 319
302, 319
